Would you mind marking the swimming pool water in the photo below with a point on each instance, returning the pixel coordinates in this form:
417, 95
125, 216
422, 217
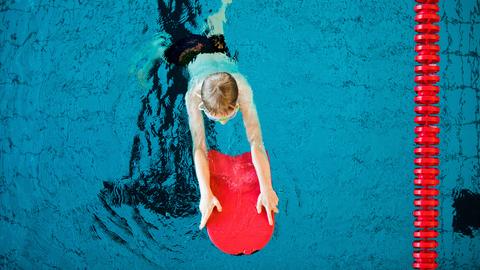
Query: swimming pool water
96, 168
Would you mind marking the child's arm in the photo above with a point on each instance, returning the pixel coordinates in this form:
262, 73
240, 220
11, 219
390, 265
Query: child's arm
254, 134
197, 130
200, 158
268, 197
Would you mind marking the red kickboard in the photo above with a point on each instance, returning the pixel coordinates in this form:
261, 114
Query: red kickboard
238, 229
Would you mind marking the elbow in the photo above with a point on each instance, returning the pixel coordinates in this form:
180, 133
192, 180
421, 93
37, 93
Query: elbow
257, 146
199, 150
259, 153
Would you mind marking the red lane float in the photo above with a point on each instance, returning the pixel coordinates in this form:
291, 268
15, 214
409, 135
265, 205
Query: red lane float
426, 152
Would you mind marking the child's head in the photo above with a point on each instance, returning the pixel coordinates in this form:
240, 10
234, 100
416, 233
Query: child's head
219, 94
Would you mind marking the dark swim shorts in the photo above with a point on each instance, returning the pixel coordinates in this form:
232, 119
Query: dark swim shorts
185, 50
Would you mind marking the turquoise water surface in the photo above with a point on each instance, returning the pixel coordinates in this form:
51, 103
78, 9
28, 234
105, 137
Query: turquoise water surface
96, 167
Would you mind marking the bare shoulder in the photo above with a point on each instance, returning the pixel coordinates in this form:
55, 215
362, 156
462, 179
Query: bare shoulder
245, 94
241, 79
192, 100
193, 93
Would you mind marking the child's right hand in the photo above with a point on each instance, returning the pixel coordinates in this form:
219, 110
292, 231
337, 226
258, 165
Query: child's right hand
207, 202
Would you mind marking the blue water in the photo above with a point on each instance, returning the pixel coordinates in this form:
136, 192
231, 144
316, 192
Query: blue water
96, 168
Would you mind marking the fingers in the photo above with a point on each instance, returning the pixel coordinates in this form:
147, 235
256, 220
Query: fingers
269, 214
218, 205
205, 216
275, 210
203, 221
259, 205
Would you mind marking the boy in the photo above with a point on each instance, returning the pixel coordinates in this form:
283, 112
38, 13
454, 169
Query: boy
218, 89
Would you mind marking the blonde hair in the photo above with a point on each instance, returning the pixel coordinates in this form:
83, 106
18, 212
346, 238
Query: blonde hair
219, 93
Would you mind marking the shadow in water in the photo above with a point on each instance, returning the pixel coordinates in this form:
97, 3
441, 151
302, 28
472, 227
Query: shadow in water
466, 216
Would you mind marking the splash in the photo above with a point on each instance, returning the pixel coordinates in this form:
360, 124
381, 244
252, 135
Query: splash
217, 20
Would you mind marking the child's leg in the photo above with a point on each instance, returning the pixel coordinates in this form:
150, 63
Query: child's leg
216, 20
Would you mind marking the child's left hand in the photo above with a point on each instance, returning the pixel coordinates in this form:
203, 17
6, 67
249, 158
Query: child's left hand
269, 200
